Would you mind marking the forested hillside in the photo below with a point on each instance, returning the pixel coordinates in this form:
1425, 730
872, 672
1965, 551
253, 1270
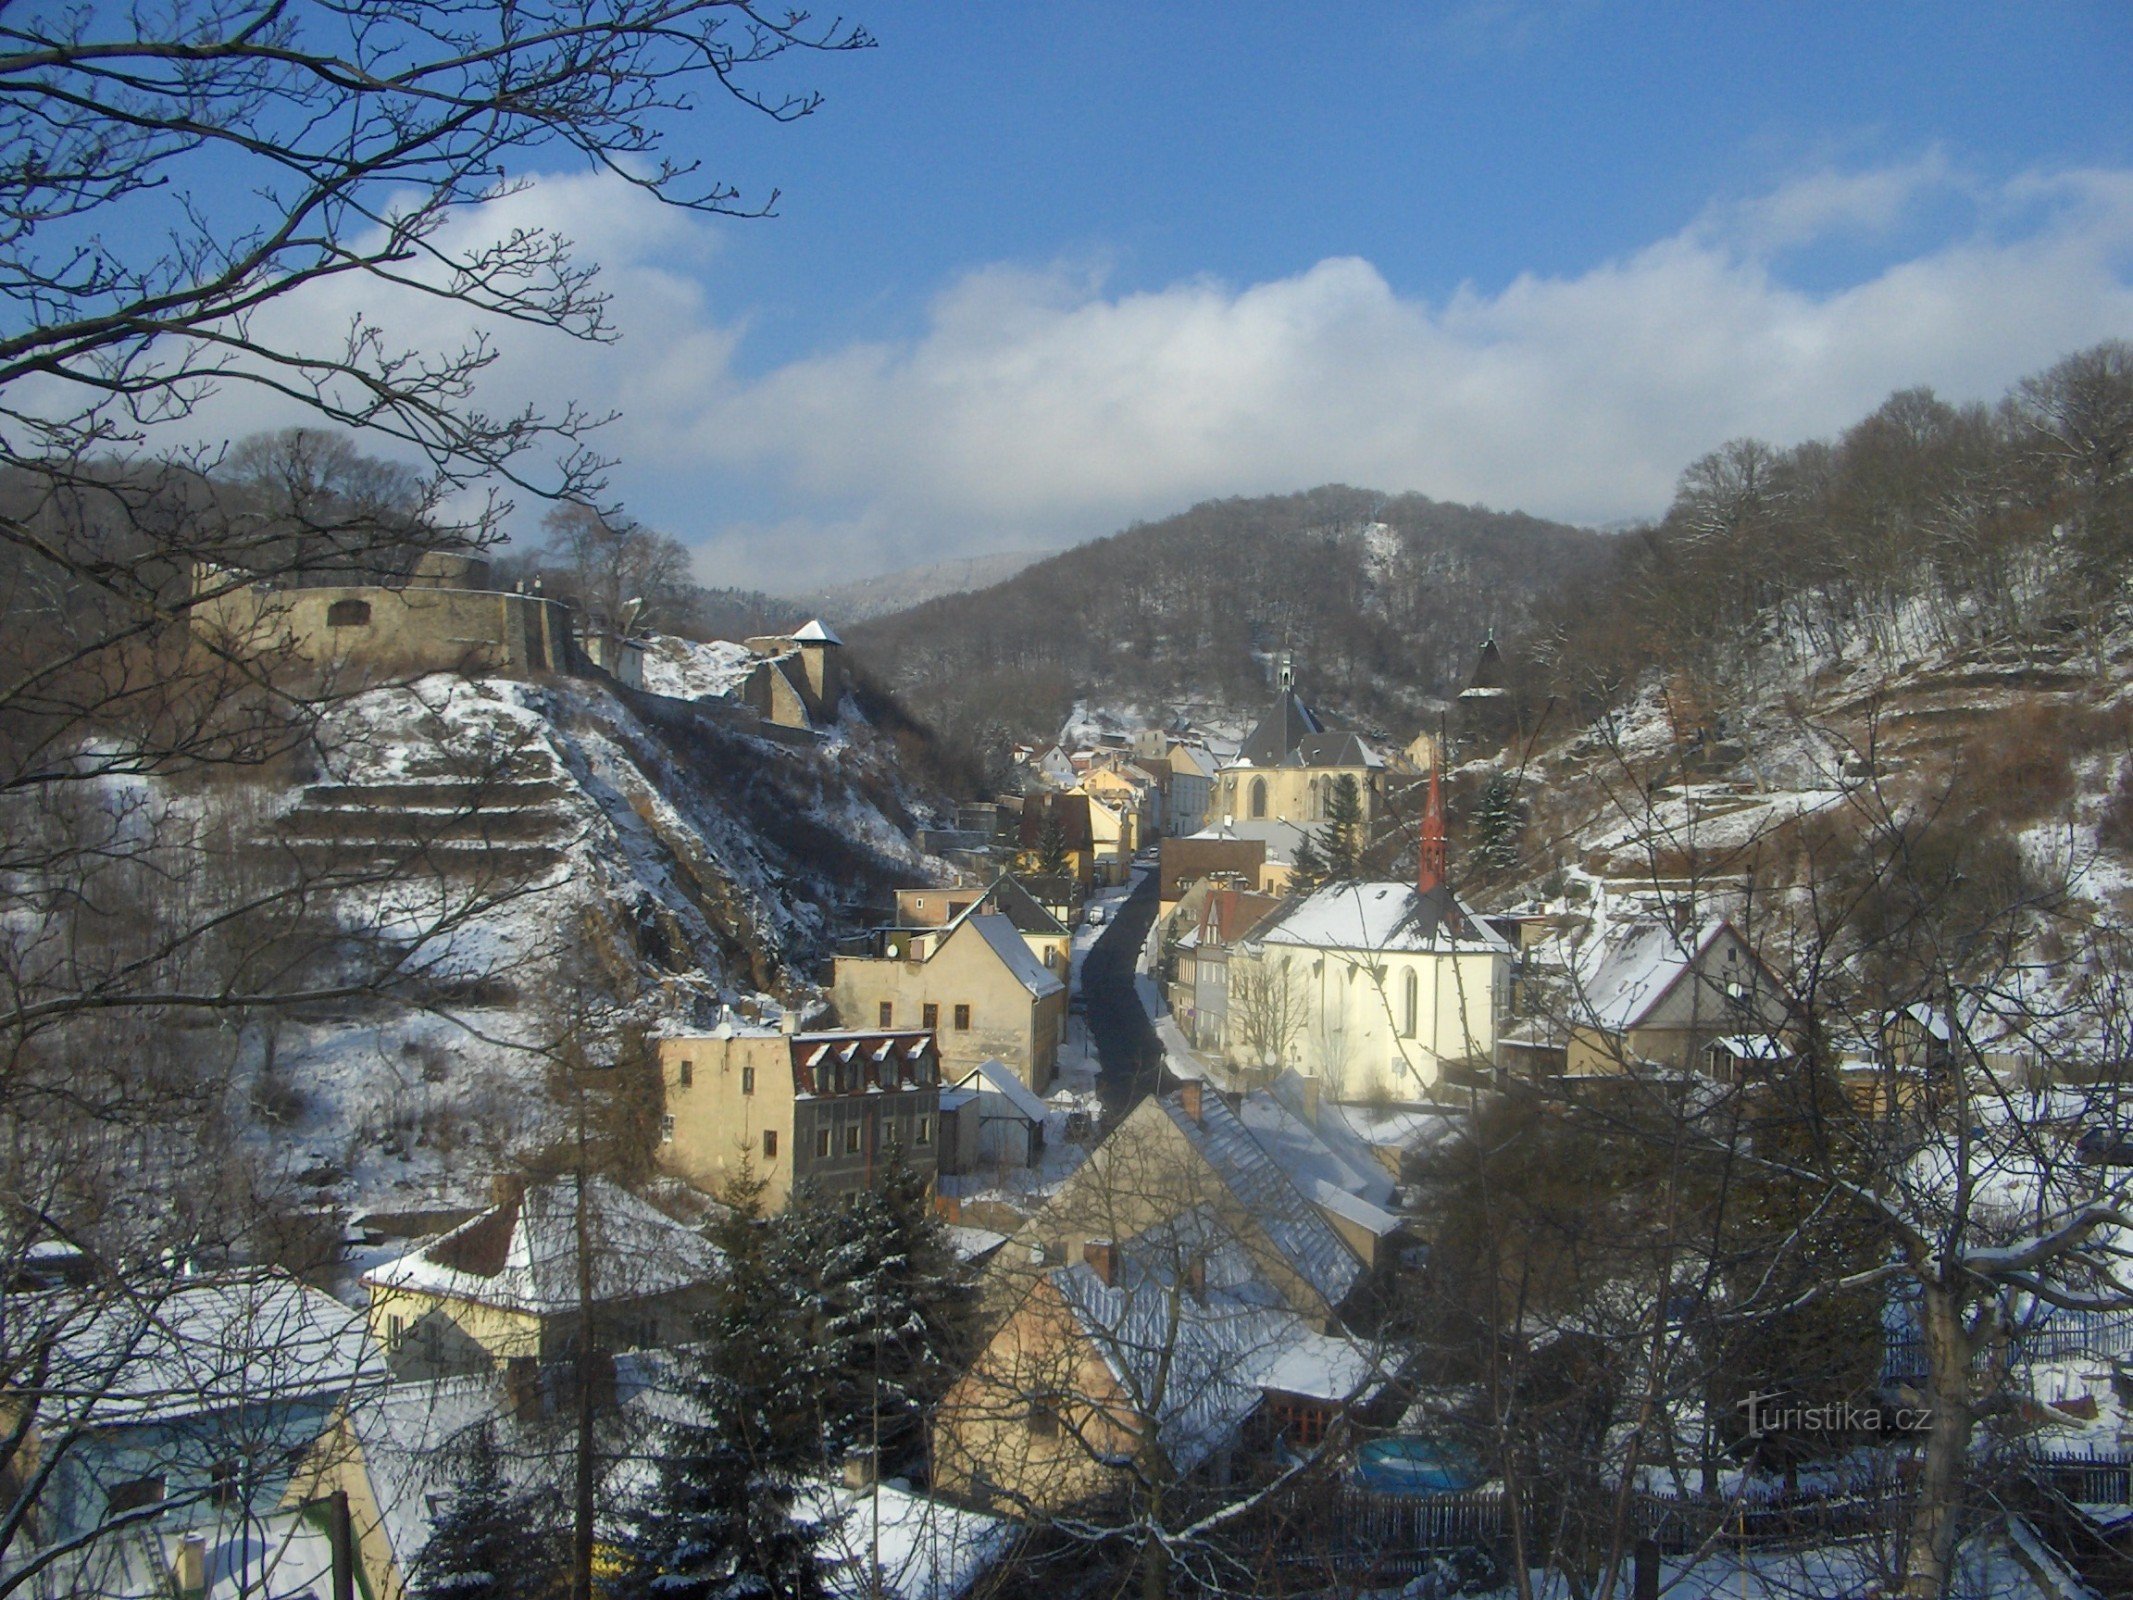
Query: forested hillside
1383, 598
1923, 528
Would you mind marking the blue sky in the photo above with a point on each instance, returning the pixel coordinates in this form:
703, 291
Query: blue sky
1040, 269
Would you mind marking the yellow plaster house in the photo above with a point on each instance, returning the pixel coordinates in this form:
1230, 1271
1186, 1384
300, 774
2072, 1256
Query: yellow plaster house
828, 1111
1177, 1288
980, 990
505, 1285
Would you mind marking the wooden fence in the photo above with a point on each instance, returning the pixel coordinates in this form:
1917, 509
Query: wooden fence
1392, 1533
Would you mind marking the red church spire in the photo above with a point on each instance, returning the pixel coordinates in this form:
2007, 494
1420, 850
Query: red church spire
1432, 865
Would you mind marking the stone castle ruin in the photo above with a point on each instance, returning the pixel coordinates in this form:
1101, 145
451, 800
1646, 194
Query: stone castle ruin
440, 616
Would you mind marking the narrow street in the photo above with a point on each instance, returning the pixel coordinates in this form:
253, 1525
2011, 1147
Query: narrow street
1130, 1057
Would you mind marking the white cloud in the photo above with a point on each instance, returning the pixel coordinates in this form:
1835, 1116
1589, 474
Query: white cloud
1038, 406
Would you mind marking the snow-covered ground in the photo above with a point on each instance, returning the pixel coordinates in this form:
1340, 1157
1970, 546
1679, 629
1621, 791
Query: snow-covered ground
672, 868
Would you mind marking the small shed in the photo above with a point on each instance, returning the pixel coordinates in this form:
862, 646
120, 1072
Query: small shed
1001, 1124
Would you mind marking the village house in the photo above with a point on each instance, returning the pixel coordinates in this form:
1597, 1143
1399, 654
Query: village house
924, 917
1374, 988
185, 1410
1210, 919
1192, 785
1181, 863
1180, 1281
1129, 797
990, 1120
506, 1284
1647, 995
979, 988
1050, 822
1289, 765
798, 682
824, 1111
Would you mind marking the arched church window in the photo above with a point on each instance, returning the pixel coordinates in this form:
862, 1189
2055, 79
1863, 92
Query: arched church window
348, 614
1259, 797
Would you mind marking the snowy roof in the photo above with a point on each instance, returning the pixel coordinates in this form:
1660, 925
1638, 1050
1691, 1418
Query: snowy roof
1622, 977
1333, 1129
1331, 750
523, 1255
1309, 1157
1305, 1239
1007, 897
207, 1346
1198, 1362
1381, 917
927, 1549
817, 631
998, 1078
1018, 958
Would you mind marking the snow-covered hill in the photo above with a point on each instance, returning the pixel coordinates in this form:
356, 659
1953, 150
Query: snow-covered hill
556, 852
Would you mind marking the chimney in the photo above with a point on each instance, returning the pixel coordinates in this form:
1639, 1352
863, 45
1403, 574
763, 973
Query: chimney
1189, 1097
788, 1022
188, 1565
1431, 859
1196, 1278
522, 1389
506, 1189
1102, 1257
1310, 1100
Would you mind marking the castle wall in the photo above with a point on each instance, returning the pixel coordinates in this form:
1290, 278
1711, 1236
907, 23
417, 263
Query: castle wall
410, 630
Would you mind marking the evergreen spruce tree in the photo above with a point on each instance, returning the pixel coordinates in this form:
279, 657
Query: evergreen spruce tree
717, 1522
1340, 841
488, 1541
1052, 845
890, 1309
1309, 870
1499, 823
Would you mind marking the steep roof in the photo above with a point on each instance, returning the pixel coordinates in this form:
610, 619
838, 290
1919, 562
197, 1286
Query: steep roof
1314, 1252
1330, 750
1308, 1156
1199, 1362
1621, 978
1279, 732
1016, 956
207, 1346
523, 1254
1181, 861
1008, 898
992, 1076
1381, 917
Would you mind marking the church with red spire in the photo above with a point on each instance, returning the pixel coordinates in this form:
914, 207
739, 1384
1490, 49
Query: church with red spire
1375, 989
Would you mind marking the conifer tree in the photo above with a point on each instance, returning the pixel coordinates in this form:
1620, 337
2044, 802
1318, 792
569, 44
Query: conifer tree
890, 1308
718, 1519
1308, 872
489, 1540
1499, 823
1052, 845
1340, 841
